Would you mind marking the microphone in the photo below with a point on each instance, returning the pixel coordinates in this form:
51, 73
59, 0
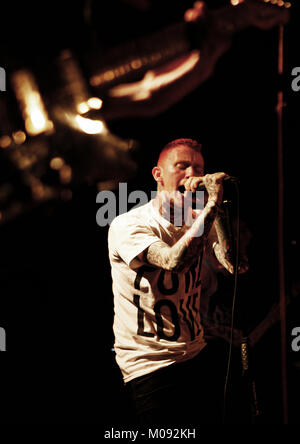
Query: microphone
201, 186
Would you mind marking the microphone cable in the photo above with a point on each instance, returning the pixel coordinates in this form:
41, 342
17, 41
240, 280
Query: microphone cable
236, 269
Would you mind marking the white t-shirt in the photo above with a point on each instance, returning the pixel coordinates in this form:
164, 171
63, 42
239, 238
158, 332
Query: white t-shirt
156, 312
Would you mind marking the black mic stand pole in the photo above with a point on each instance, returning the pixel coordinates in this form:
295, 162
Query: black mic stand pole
281, 269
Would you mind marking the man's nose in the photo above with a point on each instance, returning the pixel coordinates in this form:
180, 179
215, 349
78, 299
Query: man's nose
189, 172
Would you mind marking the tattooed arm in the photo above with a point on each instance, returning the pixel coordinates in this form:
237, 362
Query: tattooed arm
188, 247
222, 246
183, 253
221, 242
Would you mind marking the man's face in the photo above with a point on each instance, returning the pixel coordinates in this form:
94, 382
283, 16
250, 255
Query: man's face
178, 165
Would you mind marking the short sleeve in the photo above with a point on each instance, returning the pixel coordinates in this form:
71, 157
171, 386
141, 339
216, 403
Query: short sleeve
127, 238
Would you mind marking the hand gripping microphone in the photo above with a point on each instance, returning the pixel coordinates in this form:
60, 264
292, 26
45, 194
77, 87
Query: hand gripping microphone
201, 186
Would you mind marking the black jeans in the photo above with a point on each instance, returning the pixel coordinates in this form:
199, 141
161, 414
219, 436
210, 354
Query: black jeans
188, 393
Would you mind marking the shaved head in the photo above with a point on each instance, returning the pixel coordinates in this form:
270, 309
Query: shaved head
176, 143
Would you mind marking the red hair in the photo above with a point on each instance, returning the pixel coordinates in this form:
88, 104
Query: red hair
179, 142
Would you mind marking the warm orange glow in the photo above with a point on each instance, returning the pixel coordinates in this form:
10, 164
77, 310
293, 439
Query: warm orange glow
90, 126
109, 75
38, 191
31, 103
83, 108
279, 3
74, 81
107, 185
136, 64
65, 174
57, 163
19, 137
5, 141
154, 81
236, 2
94, 103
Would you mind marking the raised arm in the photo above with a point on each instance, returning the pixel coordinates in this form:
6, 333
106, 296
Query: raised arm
221, 242
222, 246
181, 255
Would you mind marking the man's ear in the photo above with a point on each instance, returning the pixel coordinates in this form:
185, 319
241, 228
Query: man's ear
157, 174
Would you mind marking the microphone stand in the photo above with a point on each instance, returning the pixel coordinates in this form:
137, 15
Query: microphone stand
247, 373
247, 370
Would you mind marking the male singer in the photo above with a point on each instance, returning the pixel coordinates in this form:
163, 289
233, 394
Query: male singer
156, 270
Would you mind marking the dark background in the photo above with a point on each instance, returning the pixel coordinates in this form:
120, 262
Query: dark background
56, 299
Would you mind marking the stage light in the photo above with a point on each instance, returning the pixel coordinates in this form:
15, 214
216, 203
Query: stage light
83, 108
90, 126
31, 103
65, 174
94, 103
236, 2
57, 163
5, 141
19, 137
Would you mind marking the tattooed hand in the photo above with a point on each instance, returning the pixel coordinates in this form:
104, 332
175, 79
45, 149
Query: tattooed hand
221, 256
214, 186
